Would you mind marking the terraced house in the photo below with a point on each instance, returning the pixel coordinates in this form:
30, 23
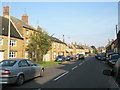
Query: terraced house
20, 31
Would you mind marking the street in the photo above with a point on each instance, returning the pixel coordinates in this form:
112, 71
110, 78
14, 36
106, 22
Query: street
74, 74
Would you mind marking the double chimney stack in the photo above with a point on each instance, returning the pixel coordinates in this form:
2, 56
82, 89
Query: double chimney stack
6, 13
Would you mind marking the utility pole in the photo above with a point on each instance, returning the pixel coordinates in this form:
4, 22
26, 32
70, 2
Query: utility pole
63, 39
116, 30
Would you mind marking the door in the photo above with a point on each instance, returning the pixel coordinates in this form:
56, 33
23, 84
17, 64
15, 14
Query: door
1, 55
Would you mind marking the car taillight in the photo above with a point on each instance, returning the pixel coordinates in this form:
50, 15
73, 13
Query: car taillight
5, 72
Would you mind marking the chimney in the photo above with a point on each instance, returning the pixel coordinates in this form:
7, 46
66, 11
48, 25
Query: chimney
6, 11
25, 18
39, 28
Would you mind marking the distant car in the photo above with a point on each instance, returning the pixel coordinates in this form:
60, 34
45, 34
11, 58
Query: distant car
74, 57
113, 59
68, 58
81, 56
19, 70
115, 73
60, 58
100, 56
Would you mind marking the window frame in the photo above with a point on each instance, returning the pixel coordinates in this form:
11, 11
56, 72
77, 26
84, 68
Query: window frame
1, 41
13, 43
12, 54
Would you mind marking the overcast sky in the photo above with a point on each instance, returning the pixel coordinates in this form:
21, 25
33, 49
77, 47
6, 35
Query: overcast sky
91, 23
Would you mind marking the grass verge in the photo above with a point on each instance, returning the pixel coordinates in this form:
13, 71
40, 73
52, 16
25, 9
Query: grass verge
45, 64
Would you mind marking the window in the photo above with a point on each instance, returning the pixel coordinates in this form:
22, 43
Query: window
1, 41
31, 63
54, 45
8, 62
12, 42
58, 46
54, 55
26, 54
13, 54
26, 32
22, 63
26, 41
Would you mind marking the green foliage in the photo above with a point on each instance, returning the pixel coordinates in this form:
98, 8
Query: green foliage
39, 44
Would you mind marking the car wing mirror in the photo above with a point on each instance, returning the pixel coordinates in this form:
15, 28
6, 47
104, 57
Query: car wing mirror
107, 72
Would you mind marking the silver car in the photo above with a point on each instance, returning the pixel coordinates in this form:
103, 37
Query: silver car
19, 70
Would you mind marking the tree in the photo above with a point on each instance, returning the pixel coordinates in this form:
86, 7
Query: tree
94, 49
39, 45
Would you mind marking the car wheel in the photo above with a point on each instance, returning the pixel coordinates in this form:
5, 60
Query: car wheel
20, 80
42, 73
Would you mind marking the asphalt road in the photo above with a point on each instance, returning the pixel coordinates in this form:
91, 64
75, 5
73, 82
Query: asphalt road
74, 74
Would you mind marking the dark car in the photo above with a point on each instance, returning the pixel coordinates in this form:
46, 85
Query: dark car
81, 56
112, 59
107, 56
100, 56
60, 59
68, 58
115, 72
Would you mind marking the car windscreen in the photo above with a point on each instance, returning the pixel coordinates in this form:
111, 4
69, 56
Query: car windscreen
80, 54
7, 63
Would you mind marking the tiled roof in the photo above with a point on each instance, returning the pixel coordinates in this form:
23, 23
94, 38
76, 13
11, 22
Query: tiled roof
4, 22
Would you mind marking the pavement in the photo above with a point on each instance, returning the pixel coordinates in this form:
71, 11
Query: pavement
84, 73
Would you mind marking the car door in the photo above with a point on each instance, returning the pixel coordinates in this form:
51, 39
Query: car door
34, 69
24, 68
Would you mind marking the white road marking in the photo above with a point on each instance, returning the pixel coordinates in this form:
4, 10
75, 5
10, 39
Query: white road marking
60, 76
74, 67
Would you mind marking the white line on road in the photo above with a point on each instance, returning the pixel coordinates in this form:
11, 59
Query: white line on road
60, 76
74, 67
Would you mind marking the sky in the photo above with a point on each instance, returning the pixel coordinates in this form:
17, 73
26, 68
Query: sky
90, 23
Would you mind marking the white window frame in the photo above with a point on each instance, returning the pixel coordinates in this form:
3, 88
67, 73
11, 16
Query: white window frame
13, 54
26, 32
26, 54
1, 41
54, 45
13, 43
27, 41
54, 55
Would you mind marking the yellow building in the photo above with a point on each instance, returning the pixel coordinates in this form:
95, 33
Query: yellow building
58, 48
20, 31
19, 38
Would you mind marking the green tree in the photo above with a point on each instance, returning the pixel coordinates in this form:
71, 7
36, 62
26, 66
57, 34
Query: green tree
39, 45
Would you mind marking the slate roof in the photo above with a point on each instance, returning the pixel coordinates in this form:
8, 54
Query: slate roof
4, 22
56, 40
20, 24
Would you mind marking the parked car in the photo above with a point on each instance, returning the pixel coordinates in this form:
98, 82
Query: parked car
74, 57
115, 72
68, 58
19, 70
60, 59
81, 56
113, 59
100, 56
108, 54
